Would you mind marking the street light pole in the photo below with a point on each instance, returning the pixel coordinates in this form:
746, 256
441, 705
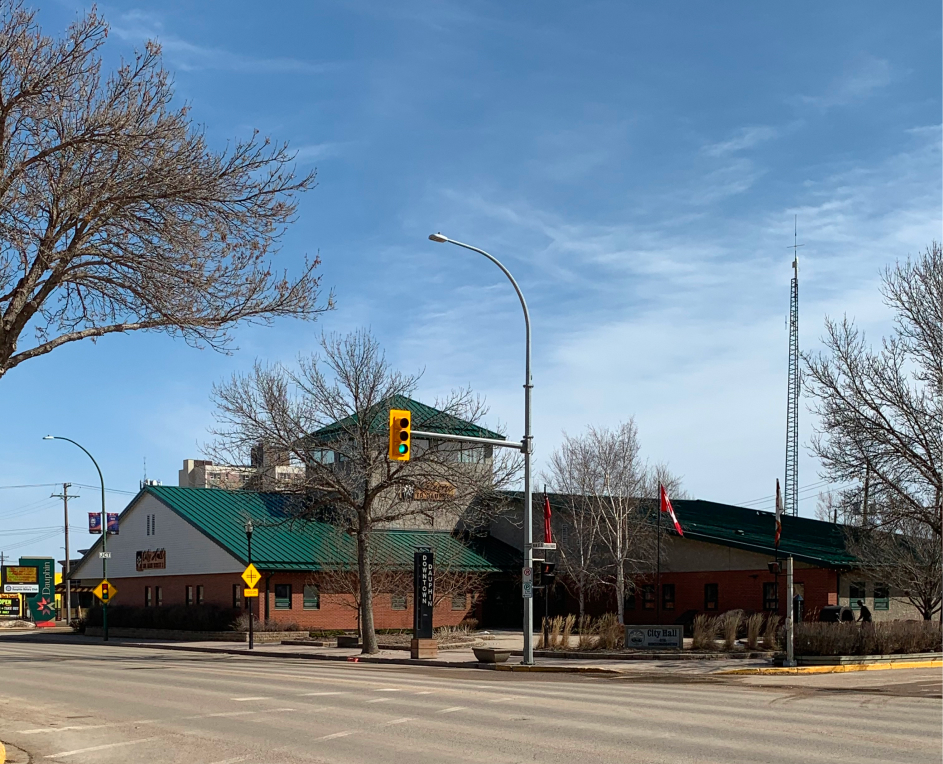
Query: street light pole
528, 447
104, 527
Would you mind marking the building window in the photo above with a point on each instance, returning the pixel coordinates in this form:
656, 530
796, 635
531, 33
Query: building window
710, 596
283, 596
460, 601
189, 595
882, 597
398, 602
199, 594
159, 595
648, 597
312, 597
856, 591
147, 596
668, 596
770, 596
237, 596
630, 601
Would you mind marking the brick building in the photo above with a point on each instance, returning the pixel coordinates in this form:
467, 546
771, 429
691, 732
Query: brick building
187, 546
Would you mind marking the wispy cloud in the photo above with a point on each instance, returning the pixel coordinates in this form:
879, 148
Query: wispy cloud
744, 138
138, 26
861, 80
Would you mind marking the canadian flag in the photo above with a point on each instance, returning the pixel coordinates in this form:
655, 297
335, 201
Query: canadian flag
548, 537
779, 513
666, 507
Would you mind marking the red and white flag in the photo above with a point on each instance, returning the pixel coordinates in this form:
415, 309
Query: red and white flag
548, 536
779, 513
666, 507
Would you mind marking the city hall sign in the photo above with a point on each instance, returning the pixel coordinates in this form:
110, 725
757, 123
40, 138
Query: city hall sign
150, 559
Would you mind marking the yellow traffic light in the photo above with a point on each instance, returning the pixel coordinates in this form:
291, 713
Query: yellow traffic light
400, 423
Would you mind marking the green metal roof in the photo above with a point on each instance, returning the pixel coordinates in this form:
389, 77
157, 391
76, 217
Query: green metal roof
281, 543
423, 418
814, 541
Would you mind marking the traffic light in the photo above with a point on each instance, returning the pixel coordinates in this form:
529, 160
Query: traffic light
106, 593
544, 574
400, 424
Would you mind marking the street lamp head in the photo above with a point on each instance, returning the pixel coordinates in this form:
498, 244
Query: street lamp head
49, 437
438, 237
249, 527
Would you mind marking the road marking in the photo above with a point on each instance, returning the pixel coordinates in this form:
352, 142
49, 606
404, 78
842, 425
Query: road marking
399, 721
65, 729
259, 697
425, 692
450, 710
502, 700
388, 689
231, 761
336, 734
99, 747
313, 694
378, 700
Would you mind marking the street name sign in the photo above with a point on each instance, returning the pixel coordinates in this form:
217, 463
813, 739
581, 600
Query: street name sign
104, 555
250, 592
251, 576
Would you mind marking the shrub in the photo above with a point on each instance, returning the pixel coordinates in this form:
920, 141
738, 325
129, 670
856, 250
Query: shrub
729, 626
771, 632
78, 625
568, 623
587, 636
242, 624
754, 628
611, 632
175, 617
556, 623
704, 631
885, 638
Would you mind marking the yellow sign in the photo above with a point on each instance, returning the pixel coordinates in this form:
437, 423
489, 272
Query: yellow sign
105, 591
250, 592
251, 576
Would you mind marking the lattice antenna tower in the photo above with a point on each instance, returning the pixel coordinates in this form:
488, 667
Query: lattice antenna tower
791, 498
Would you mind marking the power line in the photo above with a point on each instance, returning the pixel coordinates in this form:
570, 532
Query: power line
107, 490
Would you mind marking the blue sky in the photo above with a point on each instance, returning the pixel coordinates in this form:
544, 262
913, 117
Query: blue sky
637, 166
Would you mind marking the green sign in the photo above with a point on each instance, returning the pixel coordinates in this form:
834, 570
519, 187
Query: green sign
42, 606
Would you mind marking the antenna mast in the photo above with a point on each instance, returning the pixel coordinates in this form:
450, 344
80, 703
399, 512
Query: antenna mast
791, 499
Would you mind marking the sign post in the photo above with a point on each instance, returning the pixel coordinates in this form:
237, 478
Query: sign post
423, 645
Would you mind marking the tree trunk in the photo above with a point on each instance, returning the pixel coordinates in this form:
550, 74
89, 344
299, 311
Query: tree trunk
366, 591
620, 594
582, 602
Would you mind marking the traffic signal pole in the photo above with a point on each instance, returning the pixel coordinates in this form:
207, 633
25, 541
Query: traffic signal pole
527, 447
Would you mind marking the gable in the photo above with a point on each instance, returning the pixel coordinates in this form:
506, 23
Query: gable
188, 551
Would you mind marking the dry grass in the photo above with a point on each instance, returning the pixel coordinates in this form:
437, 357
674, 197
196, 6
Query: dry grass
556, 624
611, 632
587, 637
568, 623
729, 626
754, 629
771, 632
887, 638
704, 631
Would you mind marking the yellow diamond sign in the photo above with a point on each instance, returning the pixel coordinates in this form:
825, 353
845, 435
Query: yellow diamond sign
105, 591
251, 576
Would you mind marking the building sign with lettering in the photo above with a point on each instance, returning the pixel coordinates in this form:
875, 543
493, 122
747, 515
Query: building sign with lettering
150, 559
433, 492
424, 593
42, 605
20, 579
9, 606
654, 636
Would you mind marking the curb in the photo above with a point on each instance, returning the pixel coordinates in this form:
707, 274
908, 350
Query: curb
836, 669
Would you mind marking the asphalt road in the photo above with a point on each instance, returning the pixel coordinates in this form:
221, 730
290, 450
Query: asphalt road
97, 703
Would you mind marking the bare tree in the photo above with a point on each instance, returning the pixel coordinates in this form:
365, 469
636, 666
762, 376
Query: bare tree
331, 414
907, 560
613, 494
115, 216
881, 411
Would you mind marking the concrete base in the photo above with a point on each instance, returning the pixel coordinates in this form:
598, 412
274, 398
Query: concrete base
423, 648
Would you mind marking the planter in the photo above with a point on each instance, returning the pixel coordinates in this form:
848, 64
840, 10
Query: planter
345, 640
491, 654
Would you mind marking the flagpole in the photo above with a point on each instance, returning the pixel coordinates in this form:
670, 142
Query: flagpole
658, 562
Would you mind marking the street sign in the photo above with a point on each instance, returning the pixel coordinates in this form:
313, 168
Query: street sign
104, 555
250, 592
542, 546
527, 577
105, 591
251, 576
423, 593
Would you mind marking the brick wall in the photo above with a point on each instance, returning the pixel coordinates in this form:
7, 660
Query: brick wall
336, 610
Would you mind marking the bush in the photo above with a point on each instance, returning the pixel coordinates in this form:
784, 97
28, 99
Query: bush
729, 626
883, 638
176, 617
587, 640
78, 625
771, 633
242, 624
754, 628
704, 631
568, 623
611, 632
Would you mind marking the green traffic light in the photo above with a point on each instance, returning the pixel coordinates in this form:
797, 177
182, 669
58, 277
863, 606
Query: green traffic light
403, 448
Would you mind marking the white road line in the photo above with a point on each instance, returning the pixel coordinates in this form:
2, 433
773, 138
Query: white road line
502, 700
313, 694
65, 729
378, 700
388, 689
259, 697
450, 710
336, 734
425, 692
399, 721
99, 747
230, 761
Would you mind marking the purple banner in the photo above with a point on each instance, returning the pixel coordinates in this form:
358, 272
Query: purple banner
112, 523
94, 522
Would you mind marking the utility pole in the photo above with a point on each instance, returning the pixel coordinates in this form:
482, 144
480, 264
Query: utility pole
790, 626
67, 565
